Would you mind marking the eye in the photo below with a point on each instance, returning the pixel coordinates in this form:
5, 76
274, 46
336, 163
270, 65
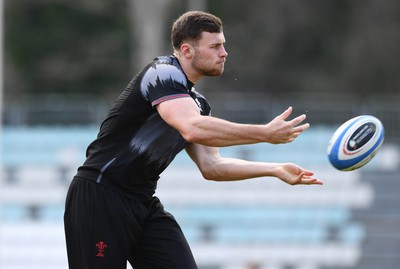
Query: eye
217, 46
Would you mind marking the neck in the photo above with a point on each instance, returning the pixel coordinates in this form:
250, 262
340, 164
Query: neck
191, 74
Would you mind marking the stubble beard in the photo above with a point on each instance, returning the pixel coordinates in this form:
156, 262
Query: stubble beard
212, 71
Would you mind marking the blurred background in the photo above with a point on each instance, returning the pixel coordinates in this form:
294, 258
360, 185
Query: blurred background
64, 62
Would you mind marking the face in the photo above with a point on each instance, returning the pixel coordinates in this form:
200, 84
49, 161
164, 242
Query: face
209, 55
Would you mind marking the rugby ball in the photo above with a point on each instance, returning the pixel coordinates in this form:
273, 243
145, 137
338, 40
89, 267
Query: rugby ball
355, 142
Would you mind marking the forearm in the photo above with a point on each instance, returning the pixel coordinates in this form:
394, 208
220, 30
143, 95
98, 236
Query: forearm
183, 115
215, 167
211, 131
229, 169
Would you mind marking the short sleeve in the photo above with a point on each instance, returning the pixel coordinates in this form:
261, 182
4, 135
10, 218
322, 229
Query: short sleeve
163, 82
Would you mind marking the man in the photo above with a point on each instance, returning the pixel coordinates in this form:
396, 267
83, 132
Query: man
111, 215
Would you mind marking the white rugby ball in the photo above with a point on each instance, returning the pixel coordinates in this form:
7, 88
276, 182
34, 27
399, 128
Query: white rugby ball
355, 142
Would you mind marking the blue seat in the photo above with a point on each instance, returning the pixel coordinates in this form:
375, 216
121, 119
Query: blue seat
352, 233
42, 145
288, 234
13, 213
261, 215
261, 224
51, 213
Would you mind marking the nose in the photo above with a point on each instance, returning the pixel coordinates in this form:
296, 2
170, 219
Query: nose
224, 53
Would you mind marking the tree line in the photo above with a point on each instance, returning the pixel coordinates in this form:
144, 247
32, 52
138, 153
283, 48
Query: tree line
276, 47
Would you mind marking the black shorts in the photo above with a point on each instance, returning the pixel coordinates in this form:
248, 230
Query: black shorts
104, 229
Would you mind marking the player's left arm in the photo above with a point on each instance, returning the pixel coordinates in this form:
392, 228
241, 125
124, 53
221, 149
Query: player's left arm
215, 167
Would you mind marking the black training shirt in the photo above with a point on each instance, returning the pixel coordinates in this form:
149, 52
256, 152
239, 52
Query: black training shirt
134, 144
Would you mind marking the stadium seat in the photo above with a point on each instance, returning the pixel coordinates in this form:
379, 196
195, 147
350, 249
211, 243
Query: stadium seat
259, 220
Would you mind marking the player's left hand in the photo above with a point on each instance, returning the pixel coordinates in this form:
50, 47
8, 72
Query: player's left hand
293, 174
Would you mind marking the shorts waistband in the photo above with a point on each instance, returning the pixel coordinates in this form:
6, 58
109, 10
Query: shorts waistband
137, 195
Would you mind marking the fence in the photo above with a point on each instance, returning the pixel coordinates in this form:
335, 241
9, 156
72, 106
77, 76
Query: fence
90, 109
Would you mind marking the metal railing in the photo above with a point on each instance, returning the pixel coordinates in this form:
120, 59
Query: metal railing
91, 109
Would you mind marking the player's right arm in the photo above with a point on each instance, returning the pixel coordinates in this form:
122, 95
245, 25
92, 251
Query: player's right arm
183, 114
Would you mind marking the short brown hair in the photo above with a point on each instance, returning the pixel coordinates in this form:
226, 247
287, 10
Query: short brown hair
190, 25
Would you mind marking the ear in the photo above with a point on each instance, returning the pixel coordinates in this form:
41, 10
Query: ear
187, 50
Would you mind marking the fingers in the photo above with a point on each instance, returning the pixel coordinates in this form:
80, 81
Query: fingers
298, 120
286, 113
284, 130
307, 173
314, 181
296, 134
296, 175
301, 128
296, 128
306, 178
